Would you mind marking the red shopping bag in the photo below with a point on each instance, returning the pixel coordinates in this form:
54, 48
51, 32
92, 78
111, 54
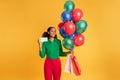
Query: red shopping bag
76, 67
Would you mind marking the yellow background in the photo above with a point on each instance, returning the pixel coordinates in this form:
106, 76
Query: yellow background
22, 22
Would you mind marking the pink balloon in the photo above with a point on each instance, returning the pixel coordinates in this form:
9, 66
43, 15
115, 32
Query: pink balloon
78, 40
69, 28
77, 15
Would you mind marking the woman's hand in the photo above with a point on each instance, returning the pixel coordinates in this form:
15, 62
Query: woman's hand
70, 52
39, 45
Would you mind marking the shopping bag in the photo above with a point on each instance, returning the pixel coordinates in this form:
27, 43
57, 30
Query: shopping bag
71, 68
68, 64
76, 67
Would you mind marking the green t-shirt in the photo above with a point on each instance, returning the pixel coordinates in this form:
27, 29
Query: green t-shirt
52, 49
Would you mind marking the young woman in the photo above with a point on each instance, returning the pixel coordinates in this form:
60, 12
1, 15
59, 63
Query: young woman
53, 50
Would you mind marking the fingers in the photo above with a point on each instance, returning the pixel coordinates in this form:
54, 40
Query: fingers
72, 51
38, 41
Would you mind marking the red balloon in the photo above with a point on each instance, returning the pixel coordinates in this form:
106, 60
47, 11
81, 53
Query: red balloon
69, 28
77, 15
60, 25
78, 40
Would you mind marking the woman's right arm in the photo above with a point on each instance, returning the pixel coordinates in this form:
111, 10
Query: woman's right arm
41, 49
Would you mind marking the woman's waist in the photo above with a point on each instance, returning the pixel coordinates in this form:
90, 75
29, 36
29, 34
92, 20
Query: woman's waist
52, 59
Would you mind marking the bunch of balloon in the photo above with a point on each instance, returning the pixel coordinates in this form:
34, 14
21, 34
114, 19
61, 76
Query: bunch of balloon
71, 29
72, 26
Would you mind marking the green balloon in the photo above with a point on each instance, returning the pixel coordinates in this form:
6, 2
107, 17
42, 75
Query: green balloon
69, 6
68, 43
81, 26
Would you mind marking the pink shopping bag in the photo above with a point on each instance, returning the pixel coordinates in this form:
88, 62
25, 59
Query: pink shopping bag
68, 64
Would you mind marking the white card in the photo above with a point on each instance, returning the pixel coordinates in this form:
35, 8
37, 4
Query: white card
43, 39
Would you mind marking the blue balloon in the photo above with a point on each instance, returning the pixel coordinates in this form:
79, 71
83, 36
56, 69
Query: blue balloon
62, 33
73, 35
66, 16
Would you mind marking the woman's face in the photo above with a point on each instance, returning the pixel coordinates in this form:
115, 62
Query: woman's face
52, 32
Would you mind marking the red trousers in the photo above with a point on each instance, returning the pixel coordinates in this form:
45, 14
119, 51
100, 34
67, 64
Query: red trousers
52, 68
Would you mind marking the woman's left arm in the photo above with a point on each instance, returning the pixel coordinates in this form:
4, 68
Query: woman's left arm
61, 53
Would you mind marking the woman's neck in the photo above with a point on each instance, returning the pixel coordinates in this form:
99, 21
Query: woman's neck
51, 39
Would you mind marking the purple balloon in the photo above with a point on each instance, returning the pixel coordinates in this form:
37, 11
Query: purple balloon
73, 35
